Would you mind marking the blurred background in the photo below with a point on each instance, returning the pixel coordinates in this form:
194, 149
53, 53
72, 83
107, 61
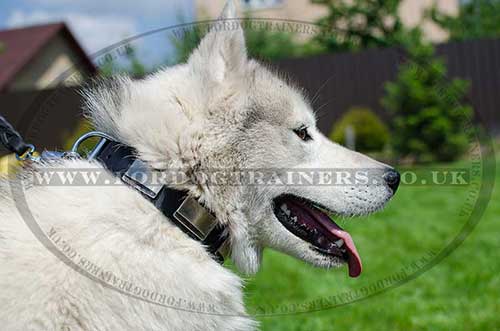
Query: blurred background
410, 82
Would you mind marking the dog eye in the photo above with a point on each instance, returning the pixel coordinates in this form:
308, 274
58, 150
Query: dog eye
302, 133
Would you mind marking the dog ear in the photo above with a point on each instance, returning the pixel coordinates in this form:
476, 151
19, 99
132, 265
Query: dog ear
229, 10
222, 51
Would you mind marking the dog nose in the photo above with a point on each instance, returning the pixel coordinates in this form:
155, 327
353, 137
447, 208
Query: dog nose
392, 179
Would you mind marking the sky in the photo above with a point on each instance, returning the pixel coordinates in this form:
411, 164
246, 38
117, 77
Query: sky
100, 23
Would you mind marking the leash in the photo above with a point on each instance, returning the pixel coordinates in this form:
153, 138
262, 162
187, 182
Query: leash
188, 214
13, 141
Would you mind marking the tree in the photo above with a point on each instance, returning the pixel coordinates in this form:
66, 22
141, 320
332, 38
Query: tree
185, 43
370, 133
260, 43
135, 68
272, 45
476, 19
109, 66
429, 116
359, 24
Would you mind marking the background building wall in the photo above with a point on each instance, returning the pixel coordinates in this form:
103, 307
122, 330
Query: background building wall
45, 69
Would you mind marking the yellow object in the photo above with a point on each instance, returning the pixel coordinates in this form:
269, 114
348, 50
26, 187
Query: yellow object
8, 164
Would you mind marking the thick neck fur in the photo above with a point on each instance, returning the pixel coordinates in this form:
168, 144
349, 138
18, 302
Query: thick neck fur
116, 230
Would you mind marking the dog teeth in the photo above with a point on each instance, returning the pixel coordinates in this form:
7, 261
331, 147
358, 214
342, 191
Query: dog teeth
285, 209
339, 242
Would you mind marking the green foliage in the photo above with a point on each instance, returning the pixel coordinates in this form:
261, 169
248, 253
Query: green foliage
371, 134
476, 19
261, 43
135, 67
272, 45
359, 24
186, 42
131, 66
2, 48
429, 115
108, 67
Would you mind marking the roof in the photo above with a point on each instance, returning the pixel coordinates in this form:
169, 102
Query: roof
21, 45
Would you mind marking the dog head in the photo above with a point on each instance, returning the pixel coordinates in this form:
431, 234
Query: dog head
221, 110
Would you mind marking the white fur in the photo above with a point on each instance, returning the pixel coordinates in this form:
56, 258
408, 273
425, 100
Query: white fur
219, 110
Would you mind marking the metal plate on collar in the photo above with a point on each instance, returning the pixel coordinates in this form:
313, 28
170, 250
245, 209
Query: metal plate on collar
139, 176
195, 218
224, 249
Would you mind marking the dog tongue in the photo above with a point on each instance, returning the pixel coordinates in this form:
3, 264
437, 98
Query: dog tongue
354, 260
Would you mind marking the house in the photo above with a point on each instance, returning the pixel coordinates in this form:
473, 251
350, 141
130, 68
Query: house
410, 11
40, 57
41, 68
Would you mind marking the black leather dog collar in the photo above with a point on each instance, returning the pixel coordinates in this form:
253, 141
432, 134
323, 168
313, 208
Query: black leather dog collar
184, 211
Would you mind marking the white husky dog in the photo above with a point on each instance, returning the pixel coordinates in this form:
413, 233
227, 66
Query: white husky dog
220, 110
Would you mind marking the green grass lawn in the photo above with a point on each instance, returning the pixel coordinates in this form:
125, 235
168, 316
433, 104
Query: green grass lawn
462, 292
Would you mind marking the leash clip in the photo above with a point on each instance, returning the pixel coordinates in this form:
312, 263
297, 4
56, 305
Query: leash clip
28, 154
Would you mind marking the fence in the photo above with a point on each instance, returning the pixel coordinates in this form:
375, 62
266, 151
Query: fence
357, 79
45, 118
